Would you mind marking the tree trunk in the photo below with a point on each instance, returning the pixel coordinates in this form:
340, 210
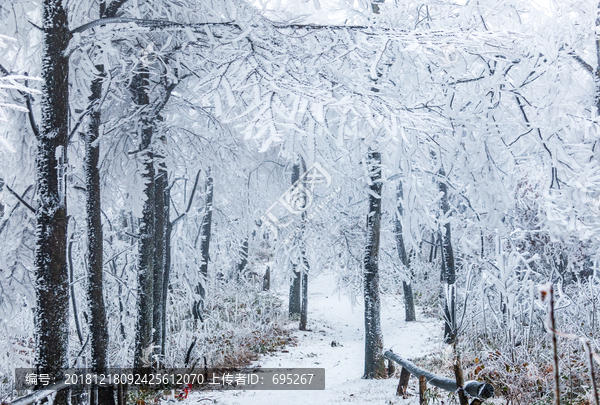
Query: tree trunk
160, 228
97, 321
294, 306
374, 363
204, 248
243, 258
295, 299
143, 336
305, 266
267, 280
597, 72
167, 273
72, 286
458, 374
51, 272
304, 307
1, 205
409, 304
448, 269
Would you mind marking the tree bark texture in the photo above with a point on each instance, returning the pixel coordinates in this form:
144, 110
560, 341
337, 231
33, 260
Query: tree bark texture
1, 205
243, 258
160, 230
267, 280
167, 273
422, 390
98, 324
204, 248
458, 374
72, 287
374, 363
295, 286
597, 72
448, 268
409, 304
403, 382
51, 272
305, 266
304, 306
145, 304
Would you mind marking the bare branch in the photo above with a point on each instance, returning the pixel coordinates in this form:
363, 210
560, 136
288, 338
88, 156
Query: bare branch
32, 123
27, 96
36, 26
583, 63
519, 137
20, 199
190, 200
461, 81
169, 90
522, 108
5, 222
193, 191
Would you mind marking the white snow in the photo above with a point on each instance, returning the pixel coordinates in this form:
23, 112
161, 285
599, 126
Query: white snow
332, 318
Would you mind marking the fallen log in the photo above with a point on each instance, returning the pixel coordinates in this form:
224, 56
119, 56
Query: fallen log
473, 388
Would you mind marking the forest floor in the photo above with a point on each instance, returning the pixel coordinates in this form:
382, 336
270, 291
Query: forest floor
332, 317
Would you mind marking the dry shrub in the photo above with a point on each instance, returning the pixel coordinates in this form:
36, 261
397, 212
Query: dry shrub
240, 324
517, 382
527, 378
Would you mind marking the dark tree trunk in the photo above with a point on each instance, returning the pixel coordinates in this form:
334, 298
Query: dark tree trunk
167, 273
433, 251
596, 73
1, 205
294, 306
204, 248
409, 304
304, 309
160, 228
305, 266
143, 336
97, 321
72, 285
243, 258
448, 269
374, 363
267, 280
295, 299
51, 272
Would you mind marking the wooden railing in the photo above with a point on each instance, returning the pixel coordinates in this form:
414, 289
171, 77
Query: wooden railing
478, 390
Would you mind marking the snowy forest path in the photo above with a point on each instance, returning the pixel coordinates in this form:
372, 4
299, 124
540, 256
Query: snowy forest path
333, 318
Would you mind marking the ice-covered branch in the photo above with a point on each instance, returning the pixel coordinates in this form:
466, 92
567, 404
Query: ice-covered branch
25, 93
25, 203
582, 62
148, 24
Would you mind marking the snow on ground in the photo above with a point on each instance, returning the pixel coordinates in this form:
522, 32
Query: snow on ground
332, 318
